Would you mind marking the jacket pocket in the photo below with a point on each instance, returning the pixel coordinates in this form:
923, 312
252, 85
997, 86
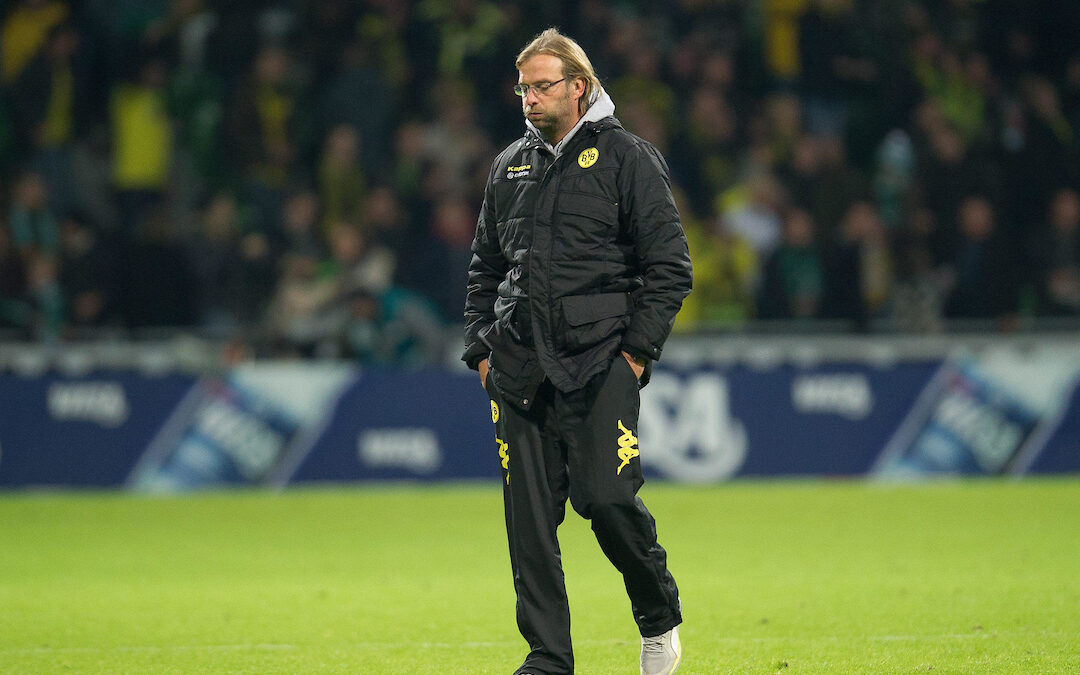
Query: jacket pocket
515, 373
586, 229
590, 206
590, 319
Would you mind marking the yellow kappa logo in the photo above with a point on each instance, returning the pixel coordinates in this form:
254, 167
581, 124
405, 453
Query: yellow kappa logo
588, 157
494, 412
627, 451
513, 172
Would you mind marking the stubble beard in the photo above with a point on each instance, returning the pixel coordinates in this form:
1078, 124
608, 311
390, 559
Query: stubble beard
549, 122
545, 124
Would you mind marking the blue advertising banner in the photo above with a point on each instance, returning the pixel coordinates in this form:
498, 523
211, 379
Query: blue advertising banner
279, 423
991, 414
1061, 452
708, 424
248, 427
392, 425
81, 431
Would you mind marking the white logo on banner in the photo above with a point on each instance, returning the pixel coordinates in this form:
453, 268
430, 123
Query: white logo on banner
992, 437
415, 449
104, 403
247, 440
687, 430
847, 395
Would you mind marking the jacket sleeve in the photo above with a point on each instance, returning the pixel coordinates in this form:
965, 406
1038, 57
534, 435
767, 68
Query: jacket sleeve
487, 269
653, 224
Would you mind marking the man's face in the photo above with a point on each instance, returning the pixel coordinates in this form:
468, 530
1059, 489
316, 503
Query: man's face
554, 112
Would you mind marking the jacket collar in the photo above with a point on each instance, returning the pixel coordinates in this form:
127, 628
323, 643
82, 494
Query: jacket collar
598, 117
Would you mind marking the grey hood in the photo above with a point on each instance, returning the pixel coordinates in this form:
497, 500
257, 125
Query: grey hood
602, 107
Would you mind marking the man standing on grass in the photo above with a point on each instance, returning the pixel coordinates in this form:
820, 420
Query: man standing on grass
580, 265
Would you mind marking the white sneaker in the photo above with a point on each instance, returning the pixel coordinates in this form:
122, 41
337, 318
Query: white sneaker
661, 655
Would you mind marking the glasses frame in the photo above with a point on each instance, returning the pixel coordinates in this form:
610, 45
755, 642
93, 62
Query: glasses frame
541, 88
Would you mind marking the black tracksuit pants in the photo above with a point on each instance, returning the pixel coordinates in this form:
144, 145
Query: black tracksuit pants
581, 445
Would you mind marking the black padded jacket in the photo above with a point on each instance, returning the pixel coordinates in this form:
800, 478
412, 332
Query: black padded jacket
575, 258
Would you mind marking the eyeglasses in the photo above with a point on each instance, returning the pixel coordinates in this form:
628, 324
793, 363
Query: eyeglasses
522, 90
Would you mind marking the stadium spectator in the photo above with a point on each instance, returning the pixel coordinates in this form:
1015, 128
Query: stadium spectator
726, 271
859, 268
233, 267
391, 327
142, 142
455, 149
464, 37
341, 176
941, 72
794, 276
894, 177
832, 184
186, 27
782, 119
325, 33
947, 173
88, 274
452, 228
357, 262
296, 323
835, 70
34, 228
752, 211
1057, 257
705, 156
918, 304
14, 310
410, 163
299, 230
46, 297
364, 96
45, 103
24, 32
387, 224
188, 34
383, 29
1070, 94
641, 83
265, 122
985, 278
1048, 158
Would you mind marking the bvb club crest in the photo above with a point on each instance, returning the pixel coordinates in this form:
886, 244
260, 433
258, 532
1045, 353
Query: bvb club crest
587, 157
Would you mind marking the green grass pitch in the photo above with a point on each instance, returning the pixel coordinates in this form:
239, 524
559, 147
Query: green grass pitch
792, 577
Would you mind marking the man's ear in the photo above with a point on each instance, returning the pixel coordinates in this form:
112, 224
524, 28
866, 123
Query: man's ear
578, 88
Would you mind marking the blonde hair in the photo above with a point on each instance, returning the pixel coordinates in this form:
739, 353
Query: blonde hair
575, 62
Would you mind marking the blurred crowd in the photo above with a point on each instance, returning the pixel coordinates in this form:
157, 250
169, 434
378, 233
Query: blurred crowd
302, 177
